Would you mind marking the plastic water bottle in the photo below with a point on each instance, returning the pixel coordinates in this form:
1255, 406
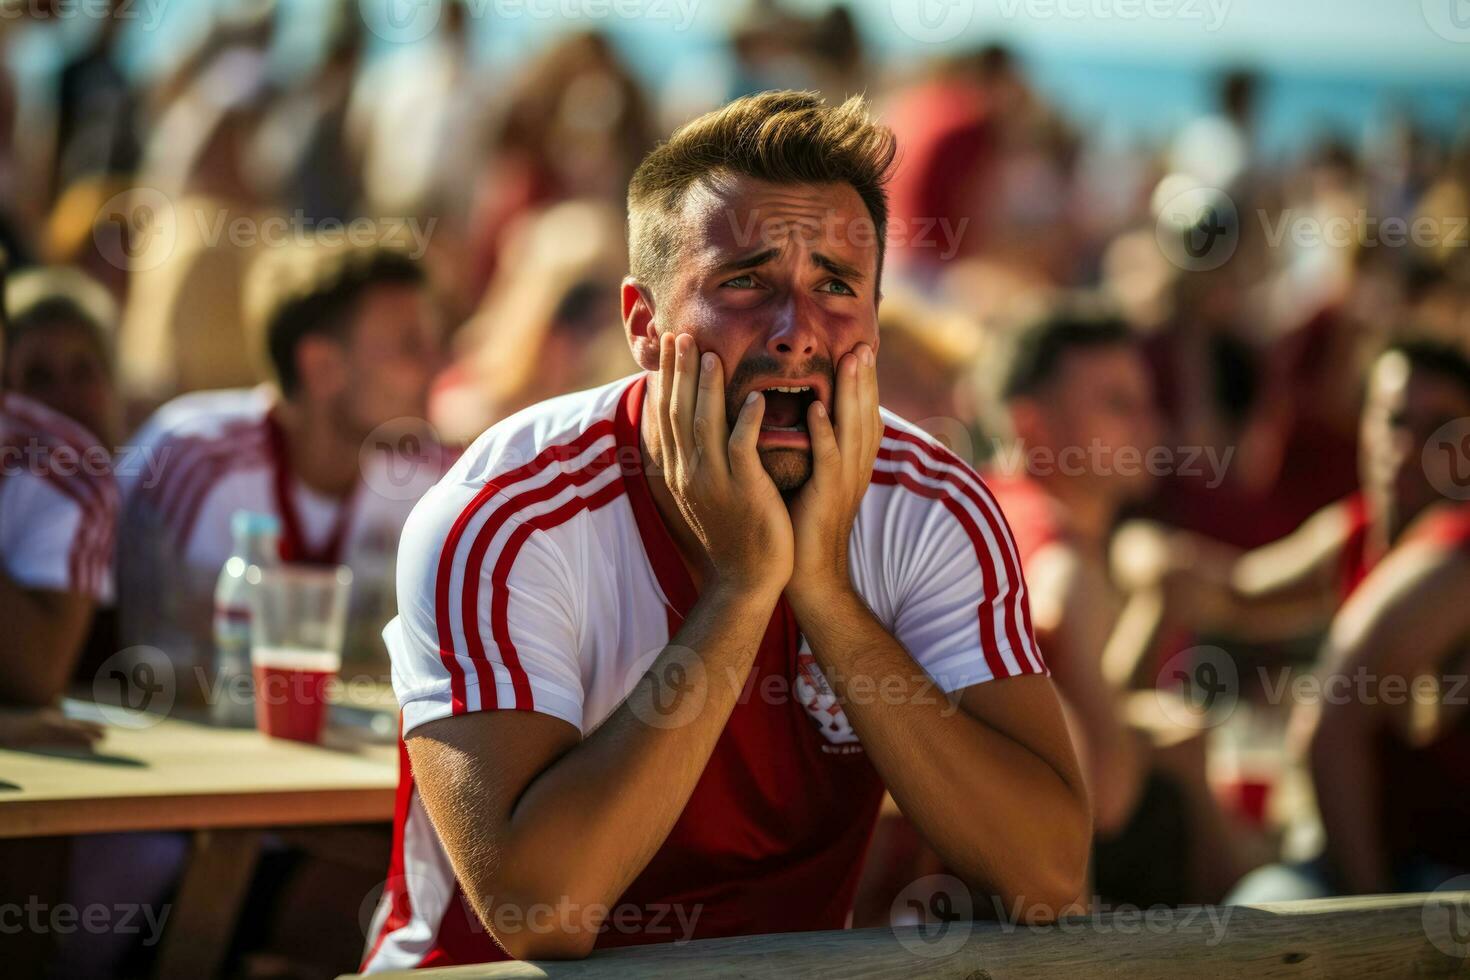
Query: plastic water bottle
257, 542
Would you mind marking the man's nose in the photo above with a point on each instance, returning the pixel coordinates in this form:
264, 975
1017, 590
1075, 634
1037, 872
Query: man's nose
791, 333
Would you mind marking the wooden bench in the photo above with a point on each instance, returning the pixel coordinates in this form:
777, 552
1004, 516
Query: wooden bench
1371, 936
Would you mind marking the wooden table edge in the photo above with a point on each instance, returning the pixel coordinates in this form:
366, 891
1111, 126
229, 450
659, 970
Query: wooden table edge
205, 811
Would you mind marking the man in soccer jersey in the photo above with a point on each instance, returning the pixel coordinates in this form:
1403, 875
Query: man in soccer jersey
353, 344
58, 513
662, 645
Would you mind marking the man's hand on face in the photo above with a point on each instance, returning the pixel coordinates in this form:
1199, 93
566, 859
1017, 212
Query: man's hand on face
823, 511
715, 475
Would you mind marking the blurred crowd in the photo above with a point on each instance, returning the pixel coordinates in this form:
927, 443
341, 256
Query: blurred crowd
1207, 386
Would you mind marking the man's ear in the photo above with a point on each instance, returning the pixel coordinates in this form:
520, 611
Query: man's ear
638, 323
1027, 421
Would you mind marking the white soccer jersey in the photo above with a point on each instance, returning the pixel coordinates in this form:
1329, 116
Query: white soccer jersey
58, 501
538, 575
206, 455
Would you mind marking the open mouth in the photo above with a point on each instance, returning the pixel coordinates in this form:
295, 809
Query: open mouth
786, 408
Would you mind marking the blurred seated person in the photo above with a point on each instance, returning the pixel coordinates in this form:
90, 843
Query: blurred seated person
1079, 404
1388, 740
1294, 586
58, 513
58, 352
338, 450
1388, 569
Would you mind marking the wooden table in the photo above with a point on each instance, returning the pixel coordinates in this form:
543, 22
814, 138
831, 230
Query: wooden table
180, 775
225, 786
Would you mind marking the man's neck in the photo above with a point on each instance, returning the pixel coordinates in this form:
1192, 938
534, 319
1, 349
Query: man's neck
1090, 514
316, 450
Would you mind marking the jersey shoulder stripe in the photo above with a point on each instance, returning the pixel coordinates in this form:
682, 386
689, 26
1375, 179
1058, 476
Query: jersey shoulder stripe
524, 465
913, 460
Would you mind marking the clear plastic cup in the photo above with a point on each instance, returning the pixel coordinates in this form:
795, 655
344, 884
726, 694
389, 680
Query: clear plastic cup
298, 618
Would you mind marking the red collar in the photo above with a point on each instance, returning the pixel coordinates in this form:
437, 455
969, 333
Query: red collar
294, 546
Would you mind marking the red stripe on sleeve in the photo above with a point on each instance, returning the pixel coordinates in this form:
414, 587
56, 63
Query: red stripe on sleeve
456, 532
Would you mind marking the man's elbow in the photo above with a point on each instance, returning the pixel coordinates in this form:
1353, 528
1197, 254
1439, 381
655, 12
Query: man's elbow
539, 923
554, 944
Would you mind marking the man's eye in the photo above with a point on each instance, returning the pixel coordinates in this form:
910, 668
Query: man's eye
838, 287
740, 282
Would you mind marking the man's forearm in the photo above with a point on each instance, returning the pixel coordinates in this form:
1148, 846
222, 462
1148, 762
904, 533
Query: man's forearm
1345, 774
589, 824
946, 769
44, 632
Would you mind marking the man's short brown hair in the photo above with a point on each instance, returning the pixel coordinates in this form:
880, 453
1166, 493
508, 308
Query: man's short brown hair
781, 137
313, 289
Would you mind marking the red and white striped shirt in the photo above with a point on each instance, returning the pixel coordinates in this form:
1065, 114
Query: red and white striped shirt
539, 576
58, 501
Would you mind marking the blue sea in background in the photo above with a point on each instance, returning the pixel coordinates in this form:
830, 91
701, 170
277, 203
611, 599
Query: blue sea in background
1328, 67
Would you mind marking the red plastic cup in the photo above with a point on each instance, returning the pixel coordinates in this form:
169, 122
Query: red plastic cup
298, 616
291, 688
